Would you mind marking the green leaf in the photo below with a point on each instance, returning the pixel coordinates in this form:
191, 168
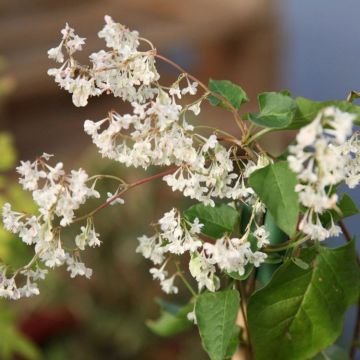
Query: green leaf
233, 93
347, 206
173, 319
308, 109
216, 314
217, 220
276, 110
334, 352
300, 312
276, 236
234, 343
275, 185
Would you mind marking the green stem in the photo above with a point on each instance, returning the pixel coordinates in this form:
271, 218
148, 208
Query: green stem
186, 283
286, 245
258, 135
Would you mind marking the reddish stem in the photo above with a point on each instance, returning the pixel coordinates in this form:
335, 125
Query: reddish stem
130, 186
345, 231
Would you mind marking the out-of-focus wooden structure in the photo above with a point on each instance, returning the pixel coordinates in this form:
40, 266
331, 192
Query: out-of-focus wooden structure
222, 39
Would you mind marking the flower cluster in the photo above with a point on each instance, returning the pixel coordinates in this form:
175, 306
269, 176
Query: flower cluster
177, 236
155, 135
156, 132
123, 70
58, 195
323, 158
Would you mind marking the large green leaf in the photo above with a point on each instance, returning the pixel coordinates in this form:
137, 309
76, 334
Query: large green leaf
276, 110
275, 185
216, 314
307, 110
300, 312
217, 220
173, 319
228, 90
234, 343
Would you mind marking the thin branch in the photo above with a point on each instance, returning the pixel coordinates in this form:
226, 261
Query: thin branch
128, 187
251, 283
345, 231
237, 117
285, 245
183, 279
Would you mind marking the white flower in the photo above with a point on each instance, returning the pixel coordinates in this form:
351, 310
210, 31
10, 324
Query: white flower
78, 268
81, 89
82, 238
191, 316
196, 226
37, 274
29, 289
262, 236
54, 258
334, 230
211, 142
11, 219
190, 89
93, 238
119, 38
56, 172
169, 221
168, 286
159, 274
195, 108
56, 54
257, 258
30, 175
29, 233
175, 90
204, 272
75, 44
146, 246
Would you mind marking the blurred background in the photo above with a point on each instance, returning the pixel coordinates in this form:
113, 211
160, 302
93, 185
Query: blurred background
311, 48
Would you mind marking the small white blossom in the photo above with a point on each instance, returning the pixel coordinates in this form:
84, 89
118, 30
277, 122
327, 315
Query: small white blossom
262, 236
77, 268
168, 286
